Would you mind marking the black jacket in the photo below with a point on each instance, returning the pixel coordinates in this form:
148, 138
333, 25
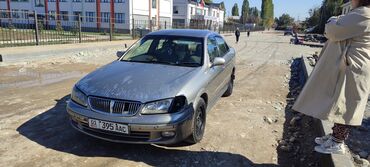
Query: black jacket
237, 33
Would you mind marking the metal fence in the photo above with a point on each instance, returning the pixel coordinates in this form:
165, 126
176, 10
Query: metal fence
20, 28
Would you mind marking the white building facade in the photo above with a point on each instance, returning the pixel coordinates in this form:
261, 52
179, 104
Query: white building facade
95, 14
195, 12
346, 7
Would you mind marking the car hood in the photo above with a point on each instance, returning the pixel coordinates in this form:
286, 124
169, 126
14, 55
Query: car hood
136, 81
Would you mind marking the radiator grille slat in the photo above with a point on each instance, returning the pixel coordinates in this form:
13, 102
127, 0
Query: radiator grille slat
119, 108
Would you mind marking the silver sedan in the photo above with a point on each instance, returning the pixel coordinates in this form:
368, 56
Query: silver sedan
158, 91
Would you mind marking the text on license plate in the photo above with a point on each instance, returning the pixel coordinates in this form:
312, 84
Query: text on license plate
109, 126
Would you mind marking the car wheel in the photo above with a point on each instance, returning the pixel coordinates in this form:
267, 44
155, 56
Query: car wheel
199, 123
230, 88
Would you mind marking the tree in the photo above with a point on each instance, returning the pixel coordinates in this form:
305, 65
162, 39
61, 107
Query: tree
245, 11
284, 21
314, 18
254, 16
328, 9
222, 5
235, 10
267, 13
208, 1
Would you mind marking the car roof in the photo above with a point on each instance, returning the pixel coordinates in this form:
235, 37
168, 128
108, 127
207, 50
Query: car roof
184, 32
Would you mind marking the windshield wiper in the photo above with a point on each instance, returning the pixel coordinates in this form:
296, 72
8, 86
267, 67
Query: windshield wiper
190, 64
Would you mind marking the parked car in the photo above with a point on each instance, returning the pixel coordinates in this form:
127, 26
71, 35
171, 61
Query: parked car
288, 32
159, 91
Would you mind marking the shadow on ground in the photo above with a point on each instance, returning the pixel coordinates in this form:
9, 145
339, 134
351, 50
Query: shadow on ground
52, 130
297, 146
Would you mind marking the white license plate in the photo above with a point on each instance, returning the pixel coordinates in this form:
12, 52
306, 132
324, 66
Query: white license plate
108, 126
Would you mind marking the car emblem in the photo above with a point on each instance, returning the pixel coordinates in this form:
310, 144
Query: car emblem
111, 106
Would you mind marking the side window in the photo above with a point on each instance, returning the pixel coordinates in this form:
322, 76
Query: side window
222, 46
212, 48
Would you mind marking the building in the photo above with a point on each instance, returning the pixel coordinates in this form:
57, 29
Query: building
346, 7
95, 14
188, 13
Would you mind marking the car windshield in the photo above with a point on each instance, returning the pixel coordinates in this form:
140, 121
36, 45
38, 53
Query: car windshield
170, 50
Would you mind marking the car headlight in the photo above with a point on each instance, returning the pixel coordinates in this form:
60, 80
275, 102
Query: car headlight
79, 97
157, 107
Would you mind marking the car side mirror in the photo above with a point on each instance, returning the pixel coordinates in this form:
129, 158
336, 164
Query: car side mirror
218, 61
120, 53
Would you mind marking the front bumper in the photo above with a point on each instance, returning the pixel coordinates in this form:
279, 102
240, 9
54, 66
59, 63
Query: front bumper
143, 129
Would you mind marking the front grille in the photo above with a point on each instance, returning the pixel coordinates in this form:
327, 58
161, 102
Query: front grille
114, 107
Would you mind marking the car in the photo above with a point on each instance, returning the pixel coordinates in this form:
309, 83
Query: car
157, 92
288, 32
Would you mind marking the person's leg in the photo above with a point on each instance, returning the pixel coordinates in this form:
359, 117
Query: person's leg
340, 132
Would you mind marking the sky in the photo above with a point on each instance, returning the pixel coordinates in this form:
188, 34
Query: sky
295, 8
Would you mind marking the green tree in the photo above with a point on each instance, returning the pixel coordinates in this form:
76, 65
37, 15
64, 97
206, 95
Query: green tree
235, 10
284, 21
267, 13
222, 5
328, 9
208, 1
254, 16
314, 18
245, 11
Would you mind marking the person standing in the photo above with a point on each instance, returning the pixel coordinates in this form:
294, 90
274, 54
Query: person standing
237, 35
249, 33
339, 85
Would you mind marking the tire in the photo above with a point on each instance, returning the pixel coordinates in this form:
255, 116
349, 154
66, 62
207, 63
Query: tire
230, 87
199, 123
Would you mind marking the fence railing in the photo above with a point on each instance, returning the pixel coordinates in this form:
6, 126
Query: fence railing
20, 28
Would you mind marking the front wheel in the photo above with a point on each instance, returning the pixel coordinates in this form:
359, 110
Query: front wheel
199, 123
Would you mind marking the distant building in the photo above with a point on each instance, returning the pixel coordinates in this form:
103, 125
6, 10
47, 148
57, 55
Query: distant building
96, 14
346, 7
196, 12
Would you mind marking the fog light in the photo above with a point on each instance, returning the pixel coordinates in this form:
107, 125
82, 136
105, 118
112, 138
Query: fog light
168, 134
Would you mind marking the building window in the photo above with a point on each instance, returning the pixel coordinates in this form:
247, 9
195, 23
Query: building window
105, 17
89, 0
64, 15
119, 1
105, 1
25, 14
76, 0
90, 16
39, 3
119, 18
199, 11
191, 11
154, 4
51, 0
63, 0
15, 13
52, 15
175, 10
75, 17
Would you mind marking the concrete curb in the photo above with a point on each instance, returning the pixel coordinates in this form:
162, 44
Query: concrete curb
324, 128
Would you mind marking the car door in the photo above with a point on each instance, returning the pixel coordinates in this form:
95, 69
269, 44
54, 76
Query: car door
224, 52
214, 72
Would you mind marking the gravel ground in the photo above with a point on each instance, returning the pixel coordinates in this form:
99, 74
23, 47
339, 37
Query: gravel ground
245, 129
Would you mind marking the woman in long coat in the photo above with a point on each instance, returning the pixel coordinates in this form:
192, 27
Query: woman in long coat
339, 86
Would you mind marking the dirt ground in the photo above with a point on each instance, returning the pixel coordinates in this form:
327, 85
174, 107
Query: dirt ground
242, 130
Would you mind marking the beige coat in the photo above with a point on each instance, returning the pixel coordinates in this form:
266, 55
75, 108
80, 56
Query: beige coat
339, 85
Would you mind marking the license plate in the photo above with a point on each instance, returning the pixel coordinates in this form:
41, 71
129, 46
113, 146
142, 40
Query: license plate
108, 126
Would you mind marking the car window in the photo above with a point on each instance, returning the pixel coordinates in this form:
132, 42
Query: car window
222, 46
212, 48
182, 51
